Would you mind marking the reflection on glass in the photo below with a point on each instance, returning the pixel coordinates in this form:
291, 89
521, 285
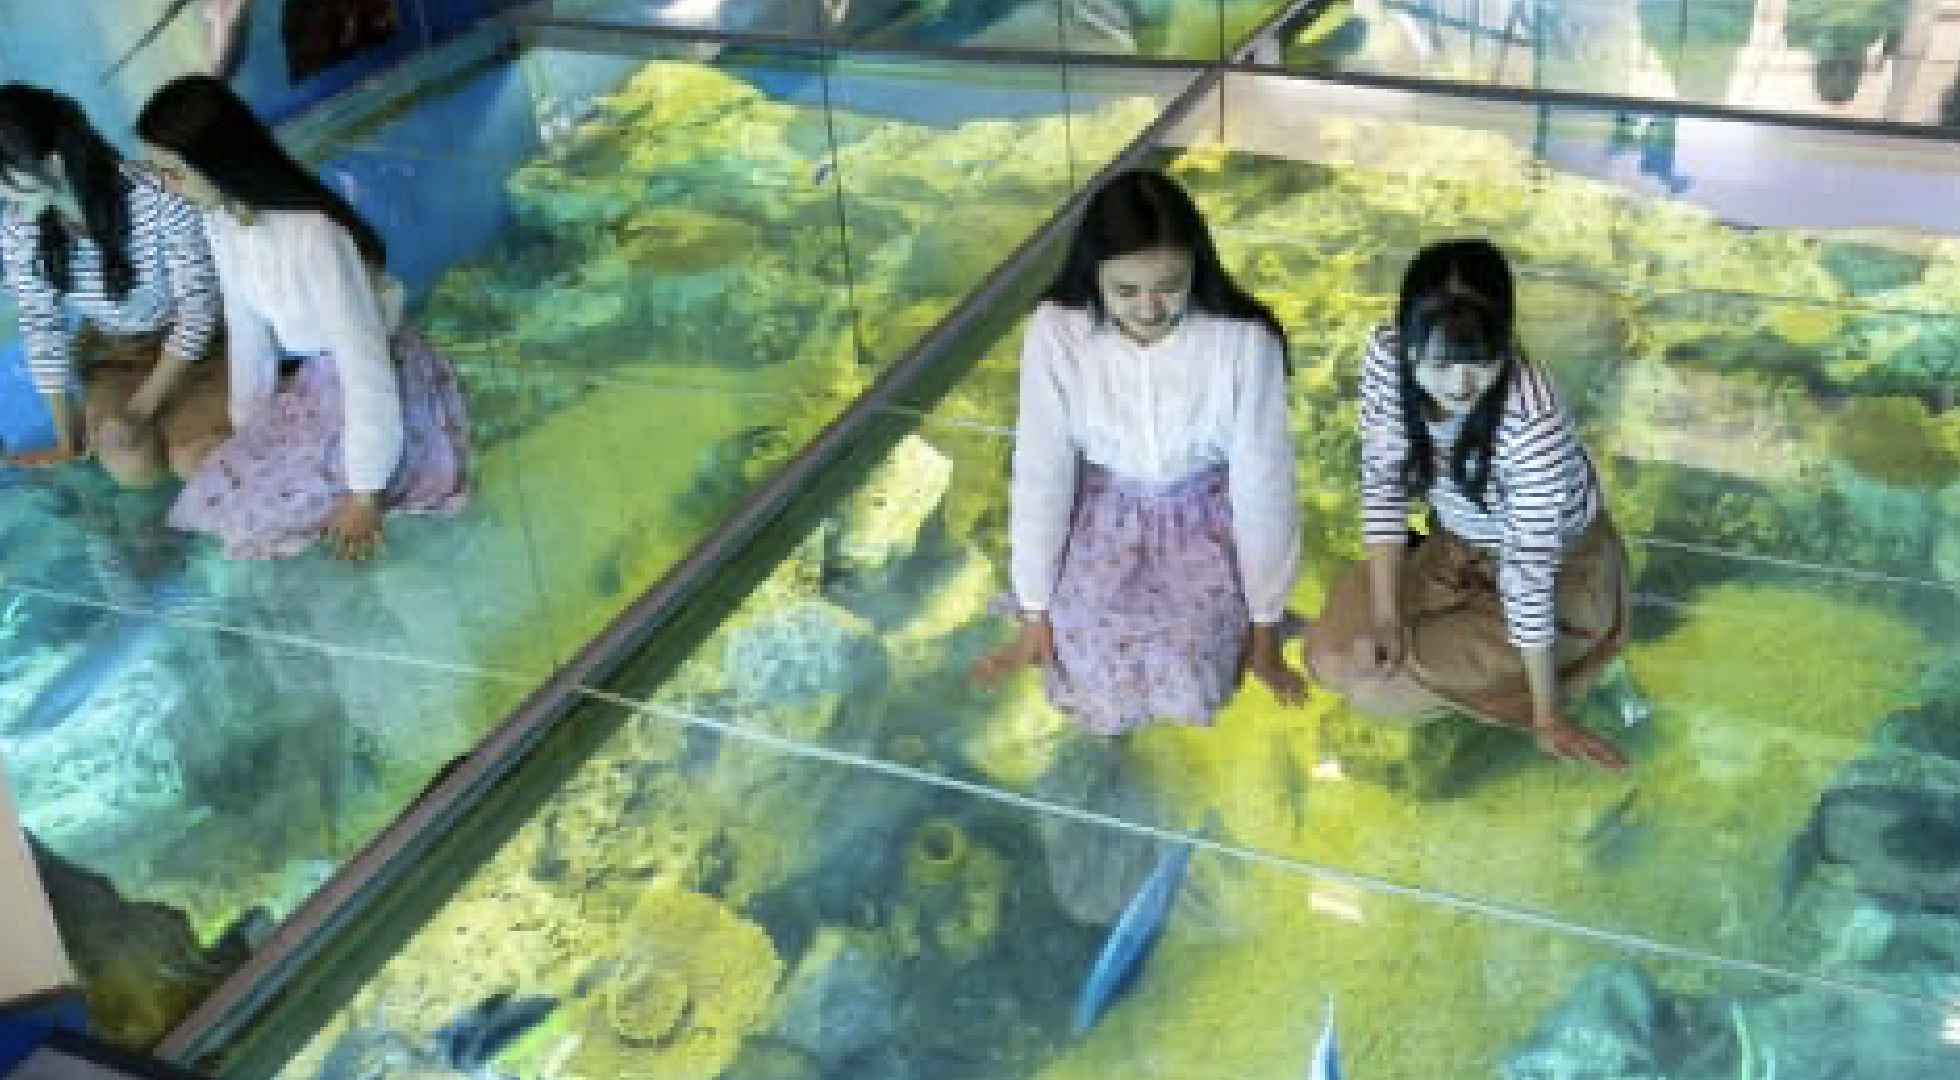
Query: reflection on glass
803, 18
655, 323
1873, 59
219, 775
1200, 31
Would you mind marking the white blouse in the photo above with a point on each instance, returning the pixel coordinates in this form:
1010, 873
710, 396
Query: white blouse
295, 280
1212, 393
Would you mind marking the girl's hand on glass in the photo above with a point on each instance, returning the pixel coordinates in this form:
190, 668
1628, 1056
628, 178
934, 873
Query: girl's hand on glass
1034, 646
1269, 666
1562, 738
354, 527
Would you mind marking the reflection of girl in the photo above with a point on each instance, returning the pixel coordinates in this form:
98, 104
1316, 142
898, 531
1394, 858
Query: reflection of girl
1155, 529
1519, 591
83, 234
372, 422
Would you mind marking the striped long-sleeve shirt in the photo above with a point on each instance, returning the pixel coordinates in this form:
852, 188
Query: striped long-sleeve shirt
1543, 493
176, 283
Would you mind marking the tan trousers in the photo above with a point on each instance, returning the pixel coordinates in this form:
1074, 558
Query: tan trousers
194, 419
1460, 656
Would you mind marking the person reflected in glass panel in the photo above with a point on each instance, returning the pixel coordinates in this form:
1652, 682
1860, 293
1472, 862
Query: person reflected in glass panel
1517, 597
1153, 518
372, 422
115, 285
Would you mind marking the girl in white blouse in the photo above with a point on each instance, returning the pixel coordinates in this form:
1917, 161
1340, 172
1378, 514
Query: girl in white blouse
372, 422
1155, 528
1517, 597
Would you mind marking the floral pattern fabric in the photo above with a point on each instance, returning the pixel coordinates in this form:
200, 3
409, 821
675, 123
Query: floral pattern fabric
267, 492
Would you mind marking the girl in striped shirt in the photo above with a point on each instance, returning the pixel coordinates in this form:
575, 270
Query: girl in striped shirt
84, 236
1517, 596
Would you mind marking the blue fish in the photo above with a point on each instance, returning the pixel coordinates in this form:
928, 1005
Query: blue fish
1136, 931
1327, 1055
113, 646
477, 1035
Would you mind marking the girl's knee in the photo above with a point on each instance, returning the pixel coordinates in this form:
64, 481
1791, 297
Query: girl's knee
186, 455
134, 469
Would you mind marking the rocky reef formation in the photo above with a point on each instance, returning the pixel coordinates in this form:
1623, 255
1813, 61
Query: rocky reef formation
694, 211
153, 971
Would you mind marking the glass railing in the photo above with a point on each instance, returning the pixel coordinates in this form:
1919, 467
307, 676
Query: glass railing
1182, 31
1890, 61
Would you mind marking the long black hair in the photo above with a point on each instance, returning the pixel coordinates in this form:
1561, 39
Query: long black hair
1462, 289
200, 119
37, 124
1138, 210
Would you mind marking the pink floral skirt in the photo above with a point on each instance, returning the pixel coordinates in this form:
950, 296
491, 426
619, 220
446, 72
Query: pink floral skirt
266, 492
1149, 618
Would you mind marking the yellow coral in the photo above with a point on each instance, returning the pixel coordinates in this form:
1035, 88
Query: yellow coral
682, 241
1804, 324
693, 979
1205, 157
1893, 440
954, 887
664, 94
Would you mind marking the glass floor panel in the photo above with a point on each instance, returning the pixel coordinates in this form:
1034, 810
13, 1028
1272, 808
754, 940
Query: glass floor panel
702, 900
1763, 679
645, 324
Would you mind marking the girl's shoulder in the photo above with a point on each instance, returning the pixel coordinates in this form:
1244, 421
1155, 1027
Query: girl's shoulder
149, 199
1054, 316
303, 233
1384, 346
1244, 329
1534, 396
1058, 329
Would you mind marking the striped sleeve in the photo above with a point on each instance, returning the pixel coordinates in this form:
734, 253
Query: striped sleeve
1536, 446
41, 331
1384, 446
175, 230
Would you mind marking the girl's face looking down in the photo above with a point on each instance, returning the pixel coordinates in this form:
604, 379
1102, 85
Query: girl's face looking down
1146, 293
1453, 376
181, 179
